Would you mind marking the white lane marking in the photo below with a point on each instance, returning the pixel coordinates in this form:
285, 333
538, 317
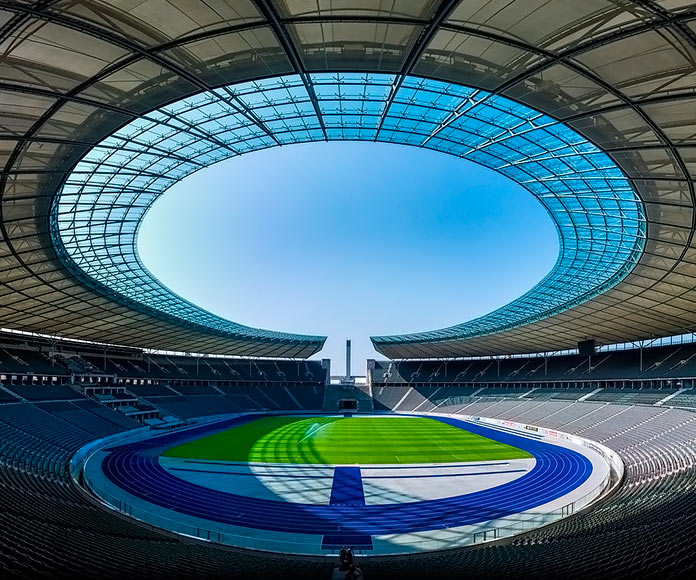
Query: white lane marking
313, 432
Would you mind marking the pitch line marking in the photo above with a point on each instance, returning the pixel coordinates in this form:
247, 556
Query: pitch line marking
313, 432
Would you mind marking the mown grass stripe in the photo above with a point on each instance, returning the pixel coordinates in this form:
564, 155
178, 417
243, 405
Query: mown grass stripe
341, 440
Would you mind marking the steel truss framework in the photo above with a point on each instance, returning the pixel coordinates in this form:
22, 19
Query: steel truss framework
599, 218
588, 105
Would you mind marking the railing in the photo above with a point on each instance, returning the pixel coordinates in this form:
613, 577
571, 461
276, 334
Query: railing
610, 456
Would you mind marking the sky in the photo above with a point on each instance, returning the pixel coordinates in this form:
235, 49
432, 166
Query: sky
348, 240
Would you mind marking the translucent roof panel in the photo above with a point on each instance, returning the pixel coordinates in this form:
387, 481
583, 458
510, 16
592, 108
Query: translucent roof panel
599, 217
609, 87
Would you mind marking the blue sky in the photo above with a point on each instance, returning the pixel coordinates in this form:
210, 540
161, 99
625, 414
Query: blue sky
348, 240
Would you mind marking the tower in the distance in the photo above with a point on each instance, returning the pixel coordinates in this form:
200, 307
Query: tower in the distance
348, 375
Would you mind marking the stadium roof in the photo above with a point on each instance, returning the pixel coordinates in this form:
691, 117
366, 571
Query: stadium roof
589, 105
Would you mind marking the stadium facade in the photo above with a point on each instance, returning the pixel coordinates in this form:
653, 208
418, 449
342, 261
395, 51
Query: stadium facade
589, 106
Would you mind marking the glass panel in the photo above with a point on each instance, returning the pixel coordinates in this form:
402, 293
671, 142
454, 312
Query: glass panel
50, 56
677, 119
599, 217
473, 60
154, 22
644, 65
376, 8
372, 46
551, 25
561, 92
232, 57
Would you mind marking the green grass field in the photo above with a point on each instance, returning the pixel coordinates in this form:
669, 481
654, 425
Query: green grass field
340, 440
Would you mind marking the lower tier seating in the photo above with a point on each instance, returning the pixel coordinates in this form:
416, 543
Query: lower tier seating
644, 530
50, 529
55, 531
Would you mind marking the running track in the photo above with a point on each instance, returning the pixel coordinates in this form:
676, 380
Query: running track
135, 469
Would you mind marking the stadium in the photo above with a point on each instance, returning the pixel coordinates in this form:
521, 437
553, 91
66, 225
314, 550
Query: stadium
144, 436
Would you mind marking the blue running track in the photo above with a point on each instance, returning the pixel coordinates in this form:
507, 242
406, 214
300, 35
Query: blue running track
135, 469
347, 489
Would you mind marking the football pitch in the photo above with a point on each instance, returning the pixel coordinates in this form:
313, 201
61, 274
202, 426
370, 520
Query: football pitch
346, 440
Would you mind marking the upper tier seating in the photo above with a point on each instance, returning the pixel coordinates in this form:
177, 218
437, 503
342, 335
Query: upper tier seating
151, 391
185, 370
219, 400
6, 397
45, 392
663, 363
26, 360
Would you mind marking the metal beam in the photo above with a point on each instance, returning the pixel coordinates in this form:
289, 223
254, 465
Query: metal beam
441, 14
291, 51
